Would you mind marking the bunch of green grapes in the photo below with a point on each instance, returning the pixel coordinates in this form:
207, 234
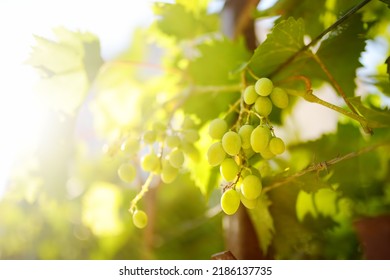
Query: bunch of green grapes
163, 153
235, 145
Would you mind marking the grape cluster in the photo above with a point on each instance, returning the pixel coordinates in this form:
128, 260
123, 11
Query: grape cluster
164, 154
235, 145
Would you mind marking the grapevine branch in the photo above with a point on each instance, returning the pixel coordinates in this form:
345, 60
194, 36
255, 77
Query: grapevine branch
138, 197
324, 165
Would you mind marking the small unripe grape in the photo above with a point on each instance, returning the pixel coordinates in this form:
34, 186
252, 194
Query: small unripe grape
188, 123
230, 201
217, 128
140, 219
250, 95
264, 86
245, 132
279, 98
263, 106
231, 143
176, 158
229, 169
150, 162
126, 172
260, 138
276, 145
266, 153
159, 126
191, 135
149, 136
130, 146
168, 172
173, 141
251, 187
216, 154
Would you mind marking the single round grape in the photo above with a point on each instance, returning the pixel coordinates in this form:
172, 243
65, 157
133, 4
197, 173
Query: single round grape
159, 126
229, 169
250, 95
230, 201
130, 146
245, 132
266, 153
140, 219
150, 162
259, 138
264, 86
263, 106
276, 145
216, 154
127, 172
217, 128
231, 143
173, 141
168, 172
191, 135
279, 98
176, 158
188, 123
251, 187
248, 203
149, 136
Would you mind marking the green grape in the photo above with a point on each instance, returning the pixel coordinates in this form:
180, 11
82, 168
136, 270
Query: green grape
231, 143
140, 219
217, 128
130, 146
263, 106
188, 123
250, 95
230, 201
176, 158
229, 169
251, 187
279, 98
248, 203
168, 172
259, 138
266, 153
149, 136
126, 172
191, 135
159, 127
245, 132
264, 86
173, 141
216, 154
150, 162
276, 146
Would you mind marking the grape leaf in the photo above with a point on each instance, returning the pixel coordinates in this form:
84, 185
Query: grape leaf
376, 118
386, 2
284, 41
181, 21
67, 66
263, 223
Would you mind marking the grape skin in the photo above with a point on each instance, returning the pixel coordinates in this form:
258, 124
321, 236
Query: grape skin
264, 86
276, 146
259, 138
150, 136
216, 154
229, 169
168, 172
248, 203
251, 187
263, 106
126, 172
230, 201
245, 132
130, 146
140, 219
279, 98
231, 143
150, 162
250, 95
173, 141
176, 158
217, 128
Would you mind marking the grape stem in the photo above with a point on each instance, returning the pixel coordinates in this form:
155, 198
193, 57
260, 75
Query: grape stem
139, 196
324, 165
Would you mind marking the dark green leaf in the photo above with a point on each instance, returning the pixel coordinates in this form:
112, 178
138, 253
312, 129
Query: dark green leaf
386, 2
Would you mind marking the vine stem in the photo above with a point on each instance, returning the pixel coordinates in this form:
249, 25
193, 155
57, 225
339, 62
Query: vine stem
138, 197
324, 165
349, 13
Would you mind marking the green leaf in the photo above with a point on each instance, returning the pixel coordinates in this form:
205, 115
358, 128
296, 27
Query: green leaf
284, 41
386, 2
376, 118
263, 222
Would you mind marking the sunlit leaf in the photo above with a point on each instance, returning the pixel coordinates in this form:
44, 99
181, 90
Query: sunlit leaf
376, 118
